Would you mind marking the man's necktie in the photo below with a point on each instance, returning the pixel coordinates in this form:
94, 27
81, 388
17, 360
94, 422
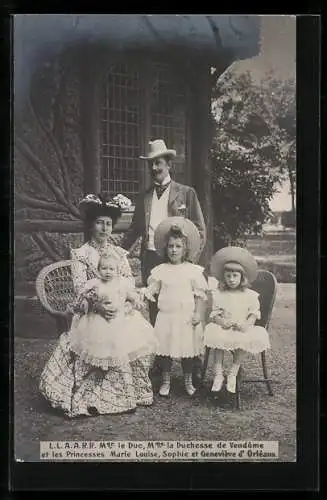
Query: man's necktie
160, 189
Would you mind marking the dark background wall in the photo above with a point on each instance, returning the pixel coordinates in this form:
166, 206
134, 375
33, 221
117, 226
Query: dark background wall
48, 167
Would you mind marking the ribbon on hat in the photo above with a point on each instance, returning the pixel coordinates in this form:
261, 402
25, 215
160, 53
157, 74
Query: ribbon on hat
178, 227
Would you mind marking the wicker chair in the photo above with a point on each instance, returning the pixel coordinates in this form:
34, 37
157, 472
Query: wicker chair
266, 286
55, 290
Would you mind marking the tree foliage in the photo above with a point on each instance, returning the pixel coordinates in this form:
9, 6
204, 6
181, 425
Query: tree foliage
252, 153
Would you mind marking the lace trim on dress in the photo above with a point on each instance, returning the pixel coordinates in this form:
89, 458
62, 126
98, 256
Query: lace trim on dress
110, 361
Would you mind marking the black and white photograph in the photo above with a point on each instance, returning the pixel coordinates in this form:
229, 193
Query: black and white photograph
154, 171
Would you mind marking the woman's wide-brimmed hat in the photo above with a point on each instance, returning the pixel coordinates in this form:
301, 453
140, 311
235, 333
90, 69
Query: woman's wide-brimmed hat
93, 206
188, 229
236, 255
157, 149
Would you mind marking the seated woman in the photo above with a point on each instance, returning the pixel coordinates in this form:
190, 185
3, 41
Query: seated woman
70, 381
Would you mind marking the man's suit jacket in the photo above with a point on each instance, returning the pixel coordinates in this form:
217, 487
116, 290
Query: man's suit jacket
183, 201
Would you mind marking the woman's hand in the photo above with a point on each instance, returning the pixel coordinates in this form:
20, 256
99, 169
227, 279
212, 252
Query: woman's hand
81, 307
70, 310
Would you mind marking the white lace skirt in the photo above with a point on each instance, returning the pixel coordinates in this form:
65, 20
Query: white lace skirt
254, 340
107, 344
176, 336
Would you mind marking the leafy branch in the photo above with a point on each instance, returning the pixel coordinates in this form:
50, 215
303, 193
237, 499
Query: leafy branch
252, 152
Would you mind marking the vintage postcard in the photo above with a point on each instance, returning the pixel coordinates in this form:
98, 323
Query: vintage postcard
155, 238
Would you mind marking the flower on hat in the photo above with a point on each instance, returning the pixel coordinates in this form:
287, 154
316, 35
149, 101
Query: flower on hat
121, 201
92, 198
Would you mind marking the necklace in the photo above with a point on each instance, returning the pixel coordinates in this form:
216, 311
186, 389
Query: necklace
100, 246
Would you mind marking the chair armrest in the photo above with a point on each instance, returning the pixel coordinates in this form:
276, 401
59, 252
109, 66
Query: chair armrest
54, 288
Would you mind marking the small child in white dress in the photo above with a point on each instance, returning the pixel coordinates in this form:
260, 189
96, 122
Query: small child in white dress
181, 287
235, 309
107, 343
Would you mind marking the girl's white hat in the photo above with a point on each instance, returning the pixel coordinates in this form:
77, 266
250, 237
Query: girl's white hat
236, 255
189, 230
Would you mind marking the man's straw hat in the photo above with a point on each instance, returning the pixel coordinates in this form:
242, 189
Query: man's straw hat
157, 149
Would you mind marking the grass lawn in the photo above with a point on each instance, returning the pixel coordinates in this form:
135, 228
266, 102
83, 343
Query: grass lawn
262, 417
276, 252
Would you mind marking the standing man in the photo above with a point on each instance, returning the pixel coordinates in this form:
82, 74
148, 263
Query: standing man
163, 199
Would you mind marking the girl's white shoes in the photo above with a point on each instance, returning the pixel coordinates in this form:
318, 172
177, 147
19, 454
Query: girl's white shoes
217, 383
189, 387
165, 386
219, 380
164, 389
231, 383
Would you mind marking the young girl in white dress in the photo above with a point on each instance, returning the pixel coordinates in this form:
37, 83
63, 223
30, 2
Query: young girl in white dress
181, 287
235, 309
107, 343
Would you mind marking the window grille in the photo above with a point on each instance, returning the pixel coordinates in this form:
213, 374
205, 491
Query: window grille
122, 124
120, 130
168, 120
